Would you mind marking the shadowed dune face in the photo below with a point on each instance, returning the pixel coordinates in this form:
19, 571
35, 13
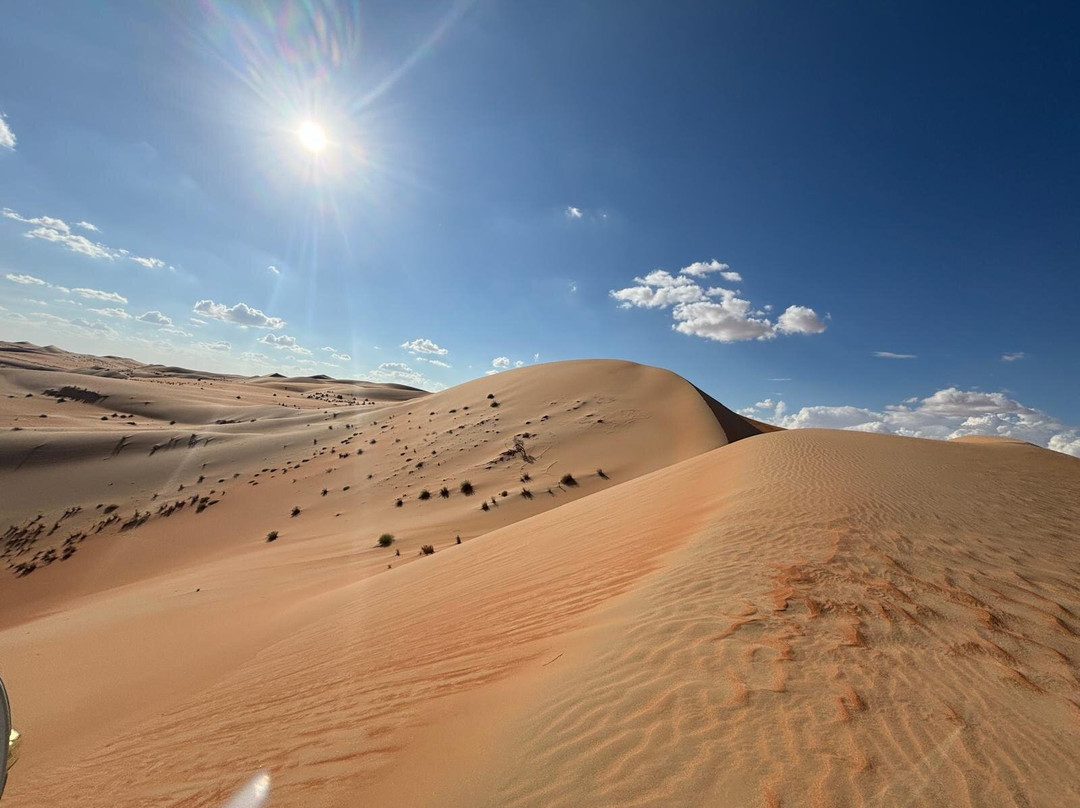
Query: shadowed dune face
800, 617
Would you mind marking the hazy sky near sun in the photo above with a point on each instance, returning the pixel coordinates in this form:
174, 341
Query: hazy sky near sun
832, 214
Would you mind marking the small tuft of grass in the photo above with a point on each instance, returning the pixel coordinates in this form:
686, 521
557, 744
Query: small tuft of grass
601, 475
386, 539
398, 502
485, 506
427, 549
467, 488
296, 510
525, 477
568, 480
444, 492
491, 395
525, 492
494, 403
325, 491
272, 535
425, 494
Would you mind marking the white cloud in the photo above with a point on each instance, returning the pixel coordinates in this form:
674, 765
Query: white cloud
573, 287
155, 318
342, 357
658, 290
573, 213
7, 137
196, 321
87, 226
437, 362
240, 314
398, 373
149, 263
27, 280
119, 314
97, 294
891, 355
699, 269
947, 413
799, 320
424, 346
715, 313
219, 347
518, 363
48, 228
283, 342
500, 362
274, 270
168, 329
1015, 356
536, 356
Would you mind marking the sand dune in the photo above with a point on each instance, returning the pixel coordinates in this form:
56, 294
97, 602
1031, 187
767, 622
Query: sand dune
730, 615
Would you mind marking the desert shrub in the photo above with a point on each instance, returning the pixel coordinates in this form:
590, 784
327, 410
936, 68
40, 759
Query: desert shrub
325, 492
494, 403
427, 549
110, 508
425, 494
467, 488
386, 539
525, 492
444, 492
525, 477
296, 510
568, 480
398, 502
459, 539
272, 535
503, 494
491, 395
485, 506
601, 475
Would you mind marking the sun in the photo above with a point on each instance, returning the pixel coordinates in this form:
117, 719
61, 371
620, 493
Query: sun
312, 136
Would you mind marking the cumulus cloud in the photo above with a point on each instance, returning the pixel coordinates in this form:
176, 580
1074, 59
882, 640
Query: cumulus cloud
947, 413
283, 342
49, 228
398, 373
119, 314
27, 280
7, 137
424, 346
240, 314
155, 318
891, 355
437, 362
219, 347
97, 294
714, 313
1015, 356
500, 362
336, 354
573, 213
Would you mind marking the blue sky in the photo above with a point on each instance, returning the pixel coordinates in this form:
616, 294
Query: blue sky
767, 199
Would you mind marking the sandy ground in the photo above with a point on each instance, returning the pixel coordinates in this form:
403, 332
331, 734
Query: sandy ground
723, 617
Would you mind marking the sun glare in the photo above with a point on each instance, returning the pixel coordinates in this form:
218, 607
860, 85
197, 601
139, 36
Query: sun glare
312, 136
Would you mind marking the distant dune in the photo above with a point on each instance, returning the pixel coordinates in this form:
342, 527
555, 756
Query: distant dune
635, 596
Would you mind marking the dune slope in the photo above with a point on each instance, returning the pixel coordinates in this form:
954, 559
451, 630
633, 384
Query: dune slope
799, 618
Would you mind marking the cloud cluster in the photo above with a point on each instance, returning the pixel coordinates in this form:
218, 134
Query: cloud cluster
947, 413
573, 213
240, 314
48, 228
7, 137
155, 318
424, 346
714, 313
283, 342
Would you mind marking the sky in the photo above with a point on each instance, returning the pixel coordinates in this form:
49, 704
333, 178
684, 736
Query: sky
832, 214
